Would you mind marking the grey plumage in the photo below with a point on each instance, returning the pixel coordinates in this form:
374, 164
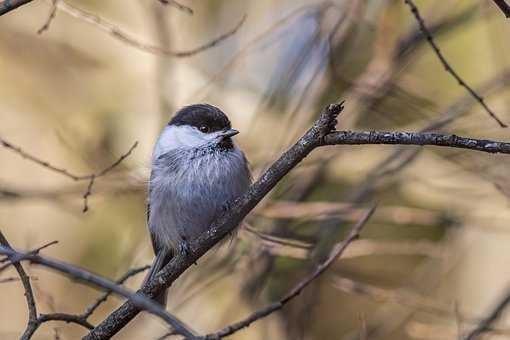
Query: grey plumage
194, 176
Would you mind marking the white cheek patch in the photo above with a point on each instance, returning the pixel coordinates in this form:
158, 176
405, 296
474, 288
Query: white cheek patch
181, 137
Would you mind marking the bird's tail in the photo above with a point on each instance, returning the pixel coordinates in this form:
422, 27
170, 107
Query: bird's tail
161, 259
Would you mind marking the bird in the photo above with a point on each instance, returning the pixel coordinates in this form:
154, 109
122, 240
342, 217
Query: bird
197, 171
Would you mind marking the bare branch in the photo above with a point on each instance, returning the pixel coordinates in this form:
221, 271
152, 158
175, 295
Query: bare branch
177, 5
9, 279
87, 277
68, 318
87, 194
448, 68
334, 255
167, 335
8, 5
416, 138
79, 319
15, 259
29, 294
503, 6
91, 309
126, 38
90, 178
35, 321
486, 324
39, 161
51, 16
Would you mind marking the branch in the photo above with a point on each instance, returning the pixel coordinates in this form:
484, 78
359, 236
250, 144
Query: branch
177, 5
9, 279
334, 255
485, 325
49, 19
90, 178
318, 135
126, 38
415, 138
29, 294
8, 5
15, 259
503, 6
35, 321
79, 319
448, 68
91, 309
68, 318
87, 277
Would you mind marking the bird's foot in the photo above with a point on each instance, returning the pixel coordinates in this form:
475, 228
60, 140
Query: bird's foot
184, 247
226, 206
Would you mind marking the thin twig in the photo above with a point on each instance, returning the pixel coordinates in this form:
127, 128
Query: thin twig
87, 194
263, 312
177, 5
68, 318
166, 335
503, 6
36, 250
39, 161
15, 259
10, 279
128, 39
448, 68
51, 16
90, 178
132, 272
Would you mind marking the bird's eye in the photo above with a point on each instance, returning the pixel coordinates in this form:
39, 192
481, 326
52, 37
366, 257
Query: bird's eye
204, 128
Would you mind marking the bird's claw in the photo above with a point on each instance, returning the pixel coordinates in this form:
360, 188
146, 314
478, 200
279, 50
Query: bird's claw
184, 247
226, 206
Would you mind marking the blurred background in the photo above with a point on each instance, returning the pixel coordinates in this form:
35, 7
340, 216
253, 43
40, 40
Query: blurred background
431, 262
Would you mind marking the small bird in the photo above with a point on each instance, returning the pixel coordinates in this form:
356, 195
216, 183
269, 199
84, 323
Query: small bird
197, 171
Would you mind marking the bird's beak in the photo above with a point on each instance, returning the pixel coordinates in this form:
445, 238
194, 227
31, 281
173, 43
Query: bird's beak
229, 133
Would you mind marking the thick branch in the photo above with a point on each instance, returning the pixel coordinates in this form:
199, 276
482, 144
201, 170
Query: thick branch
8, 5
503, 6
415, 138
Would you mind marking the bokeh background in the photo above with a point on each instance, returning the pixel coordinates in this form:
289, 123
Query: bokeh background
432, 261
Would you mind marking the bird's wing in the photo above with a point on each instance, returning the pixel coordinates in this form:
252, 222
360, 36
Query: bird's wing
155, 246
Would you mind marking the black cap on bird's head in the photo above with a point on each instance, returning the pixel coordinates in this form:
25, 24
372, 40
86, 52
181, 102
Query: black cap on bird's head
205, 117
